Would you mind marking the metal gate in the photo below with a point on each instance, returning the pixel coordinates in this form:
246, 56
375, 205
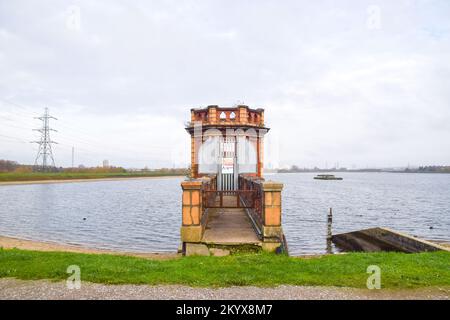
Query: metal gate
229, 199
227, 174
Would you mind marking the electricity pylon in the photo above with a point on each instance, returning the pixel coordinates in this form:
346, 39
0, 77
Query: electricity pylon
45, 143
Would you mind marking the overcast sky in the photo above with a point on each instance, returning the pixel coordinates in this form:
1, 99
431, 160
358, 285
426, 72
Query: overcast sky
361, 83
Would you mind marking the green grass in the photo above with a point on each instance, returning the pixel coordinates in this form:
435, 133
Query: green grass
37, 176
398, 270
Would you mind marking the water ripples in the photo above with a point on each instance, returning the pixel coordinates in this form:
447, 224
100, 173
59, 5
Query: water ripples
145, 215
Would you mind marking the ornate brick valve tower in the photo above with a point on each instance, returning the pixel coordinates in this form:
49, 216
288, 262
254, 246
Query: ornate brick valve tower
226, 202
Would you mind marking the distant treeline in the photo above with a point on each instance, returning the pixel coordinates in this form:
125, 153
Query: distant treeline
15, 167
424, 169
295, 168
431, 169
8, 166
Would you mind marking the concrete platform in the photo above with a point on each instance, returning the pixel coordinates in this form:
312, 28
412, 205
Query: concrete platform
383, 239
229, 227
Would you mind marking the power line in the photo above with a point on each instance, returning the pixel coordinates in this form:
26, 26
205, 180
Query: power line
25, 109
13, 138
45, 143
87, 139
76, 136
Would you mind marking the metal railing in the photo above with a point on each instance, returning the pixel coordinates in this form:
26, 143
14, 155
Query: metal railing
247, 183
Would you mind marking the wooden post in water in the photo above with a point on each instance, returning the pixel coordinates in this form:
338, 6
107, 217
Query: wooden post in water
329, 231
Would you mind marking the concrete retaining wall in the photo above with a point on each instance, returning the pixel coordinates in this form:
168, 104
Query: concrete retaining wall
383, 239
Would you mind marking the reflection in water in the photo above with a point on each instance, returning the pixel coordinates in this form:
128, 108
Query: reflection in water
145, 215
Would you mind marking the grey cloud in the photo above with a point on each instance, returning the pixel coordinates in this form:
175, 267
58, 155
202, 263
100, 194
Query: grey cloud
378, 92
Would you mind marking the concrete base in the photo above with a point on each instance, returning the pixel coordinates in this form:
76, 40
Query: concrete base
196, 249
219, 252
382, 239
271, 246
272, 232
201, 249
191, 233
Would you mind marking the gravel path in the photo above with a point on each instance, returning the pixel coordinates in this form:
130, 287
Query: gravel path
19, 289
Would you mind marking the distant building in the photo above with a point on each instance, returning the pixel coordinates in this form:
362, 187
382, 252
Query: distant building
106, 164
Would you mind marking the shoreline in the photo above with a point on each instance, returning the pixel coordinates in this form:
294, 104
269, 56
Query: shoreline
53, 181
49, 246
9, 242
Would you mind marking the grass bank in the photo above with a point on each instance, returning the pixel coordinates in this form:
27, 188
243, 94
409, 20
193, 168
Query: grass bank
398, 270
46, 176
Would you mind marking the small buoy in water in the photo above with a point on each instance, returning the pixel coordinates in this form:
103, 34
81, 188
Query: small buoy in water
84, 218
431, 227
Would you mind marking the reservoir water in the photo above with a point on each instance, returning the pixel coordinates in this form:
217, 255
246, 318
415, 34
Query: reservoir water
145, 215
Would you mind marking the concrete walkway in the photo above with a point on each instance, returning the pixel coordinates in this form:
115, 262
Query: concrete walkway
19, 289
229, 226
